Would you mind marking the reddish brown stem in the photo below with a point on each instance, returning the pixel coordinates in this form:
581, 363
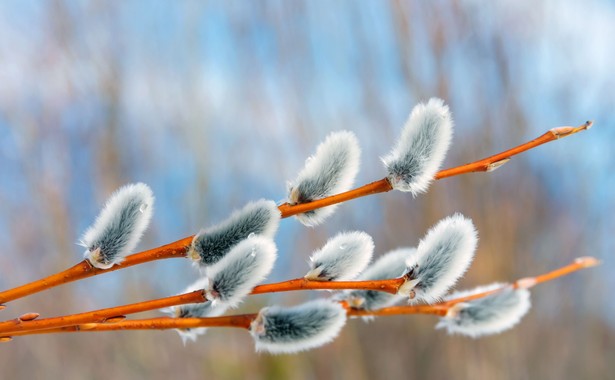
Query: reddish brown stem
162, 323
439, 309
388, 286
376, 187
178, 248
227, 321
493, 162
436, 309
97, 316
84, 269
442, 307
101, 315
528, 282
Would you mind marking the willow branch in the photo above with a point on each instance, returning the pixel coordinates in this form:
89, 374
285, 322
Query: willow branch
197, 296
439, 309
493, 162
101, 315
389, 286
84, 269
179, 248
161, 323
443, 307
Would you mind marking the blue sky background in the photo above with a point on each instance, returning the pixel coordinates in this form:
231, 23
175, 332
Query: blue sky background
214, 104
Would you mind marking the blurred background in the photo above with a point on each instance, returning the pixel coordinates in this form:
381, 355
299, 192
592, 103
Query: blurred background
216, 103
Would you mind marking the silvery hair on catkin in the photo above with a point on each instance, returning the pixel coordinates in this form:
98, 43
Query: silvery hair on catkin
489, 315
247, 264
119, 226
330, 171
441, 258
210, 245
288, 330
342, 258
423, 144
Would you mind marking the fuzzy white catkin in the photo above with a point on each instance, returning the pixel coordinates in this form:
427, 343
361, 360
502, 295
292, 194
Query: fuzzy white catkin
119, 226
488, 315
441, 258
342, 258
195, 310
286, 330
235, 275
261, 217
331, 170
422, 147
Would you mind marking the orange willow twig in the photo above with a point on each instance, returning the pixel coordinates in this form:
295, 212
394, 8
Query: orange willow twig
179, 248
161, 323
527, 282
84, 269
164, 323
244, 320
197, 296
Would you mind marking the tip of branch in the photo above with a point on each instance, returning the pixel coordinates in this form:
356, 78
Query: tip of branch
560, 132
4, 339
587, 261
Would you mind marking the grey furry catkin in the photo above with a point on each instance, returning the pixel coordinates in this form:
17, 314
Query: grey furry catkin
119, 226
293, 329
342, 258
210, 245
492, 314
247, 264
330, 171
423, 144
441, 258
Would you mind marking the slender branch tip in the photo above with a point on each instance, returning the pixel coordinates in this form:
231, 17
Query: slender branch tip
561, 132
587, 261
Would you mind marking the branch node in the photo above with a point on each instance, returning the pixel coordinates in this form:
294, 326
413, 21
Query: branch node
496, 165
526, 283
454, 310
29, 317
115, 319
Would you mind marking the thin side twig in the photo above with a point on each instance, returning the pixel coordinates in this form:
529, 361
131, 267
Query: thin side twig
443, 307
